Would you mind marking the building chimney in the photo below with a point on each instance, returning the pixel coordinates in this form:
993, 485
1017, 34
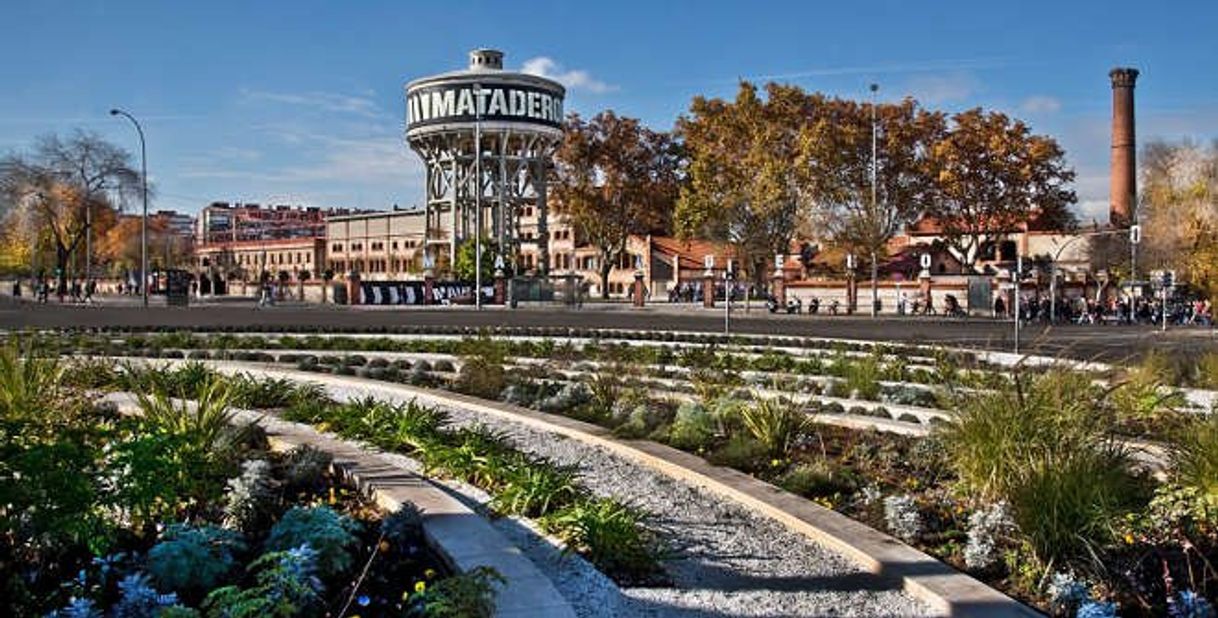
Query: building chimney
1123, 187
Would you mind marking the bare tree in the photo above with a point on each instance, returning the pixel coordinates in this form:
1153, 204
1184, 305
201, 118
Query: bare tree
47, 196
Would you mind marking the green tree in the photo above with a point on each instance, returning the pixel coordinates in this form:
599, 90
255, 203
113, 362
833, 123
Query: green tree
835, 164
992, 175
1178, 209
465, 266
614, 177
743, 186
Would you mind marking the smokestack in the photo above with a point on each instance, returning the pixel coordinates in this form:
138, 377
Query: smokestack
1123, 187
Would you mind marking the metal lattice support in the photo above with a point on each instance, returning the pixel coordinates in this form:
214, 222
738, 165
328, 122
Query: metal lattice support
486, 138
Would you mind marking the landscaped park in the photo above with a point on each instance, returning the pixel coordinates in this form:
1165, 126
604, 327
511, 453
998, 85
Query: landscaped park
431, 471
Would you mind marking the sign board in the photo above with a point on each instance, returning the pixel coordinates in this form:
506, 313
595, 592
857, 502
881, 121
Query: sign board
1135, 234
487, 101
924, 260
778, 260
499, 262
708, 262
851, 261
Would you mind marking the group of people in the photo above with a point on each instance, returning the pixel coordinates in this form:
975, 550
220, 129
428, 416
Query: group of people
76, 291
692, 291
1112, 310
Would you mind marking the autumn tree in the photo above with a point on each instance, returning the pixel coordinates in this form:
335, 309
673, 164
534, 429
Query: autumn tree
49, 196
1178, 210
835, 163
743, 186
992, 175
614, 178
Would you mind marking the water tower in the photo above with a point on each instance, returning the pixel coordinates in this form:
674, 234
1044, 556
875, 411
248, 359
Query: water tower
487, 137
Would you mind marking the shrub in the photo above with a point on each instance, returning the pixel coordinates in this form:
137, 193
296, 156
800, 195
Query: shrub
404, 527
249, 497
305, 466
443, 366
569, 397
987, 528
902, 517
1193, 453
817, 479
536, 488
741, 452
194, 559
468, 595
480, 377
207, 425
138, 599
332, 536
28, 382
775, 423
693, 428
611, 535
286, 585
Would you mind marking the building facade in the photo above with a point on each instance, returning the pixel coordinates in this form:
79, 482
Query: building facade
380, 246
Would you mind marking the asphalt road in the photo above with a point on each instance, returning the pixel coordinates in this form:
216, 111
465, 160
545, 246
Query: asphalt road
1105, 343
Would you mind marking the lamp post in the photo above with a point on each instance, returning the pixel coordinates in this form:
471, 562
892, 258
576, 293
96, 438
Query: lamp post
144, 220
875, 292
478, 198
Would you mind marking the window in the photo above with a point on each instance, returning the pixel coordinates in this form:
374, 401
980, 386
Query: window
337, 247
378, 246
395, 245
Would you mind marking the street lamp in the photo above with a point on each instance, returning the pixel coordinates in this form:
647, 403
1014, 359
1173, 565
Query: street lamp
144, 221
875, 292
478, 198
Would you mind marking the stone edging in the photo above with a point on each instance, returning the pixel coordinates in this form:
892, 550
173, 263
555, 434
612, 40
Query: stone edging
460, 536
946, 590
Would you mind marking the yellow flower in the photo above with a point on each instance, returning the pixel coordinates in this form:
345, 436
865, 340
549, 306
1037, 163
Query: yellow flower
774, 463
1128, 538
419, 587
323, 426
429, 573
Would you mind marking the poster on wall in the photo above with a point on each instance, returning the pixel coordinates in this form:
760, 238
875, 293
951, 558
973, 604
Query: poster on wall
412, 293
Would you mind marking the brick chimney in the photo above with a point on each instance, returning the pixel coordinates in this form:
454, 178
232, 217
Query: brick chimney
1123, 187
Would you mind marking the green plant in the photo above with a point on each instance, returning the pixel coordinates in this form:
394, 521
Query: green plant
611, 535
286, 585
1193, 454
741, 452
693, 427
1067, 507
818, 479
481, 377
537, 487
250, 496
206, 424
468, 595
332, 536
194, 559
1045, 444
775, 423
304, 466
29, 383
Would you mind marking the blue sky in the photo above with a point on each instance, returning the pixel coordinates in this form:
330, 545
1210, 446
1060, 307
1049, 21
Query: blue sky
302, 101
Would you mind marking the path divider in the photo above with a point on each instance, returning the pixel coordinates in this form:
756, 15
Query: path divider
946, 590
461, 537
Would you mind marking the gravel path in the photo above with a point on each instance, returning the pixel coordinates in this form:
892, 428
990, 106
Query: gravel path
728, 561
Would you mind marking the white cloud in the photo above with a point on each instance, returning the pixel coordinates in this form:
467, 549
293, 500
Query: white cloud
575, 79
1040, 105
323, 101
943, 87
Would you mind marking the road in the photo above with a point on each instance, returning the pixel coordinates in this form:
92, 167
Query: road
1103, 343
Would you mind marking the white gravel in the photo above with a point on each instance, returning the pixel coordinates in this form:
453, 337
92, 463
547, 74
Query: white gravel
727, 561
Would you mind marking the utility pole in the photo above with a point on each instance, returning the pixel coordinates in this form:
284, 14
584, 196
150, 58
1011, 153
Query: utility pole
875, 292
1135, 237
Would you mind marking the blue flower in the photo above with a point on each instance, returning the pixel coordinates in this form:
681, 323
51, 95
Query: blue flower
363, 600
1191, 605
1096, 609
